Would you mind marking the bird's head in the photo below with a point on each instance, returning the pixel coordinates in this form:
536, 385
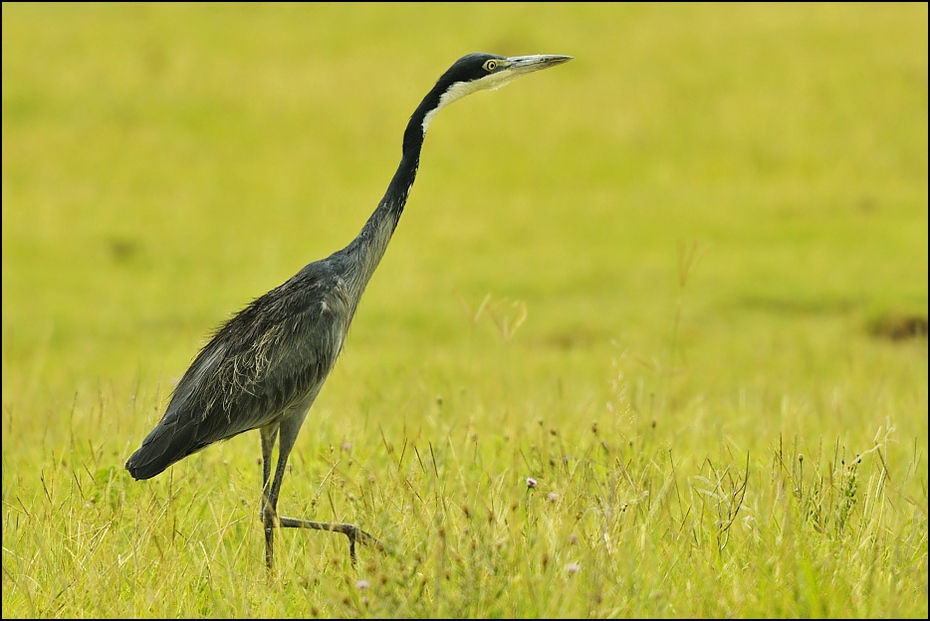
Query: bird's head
480, 71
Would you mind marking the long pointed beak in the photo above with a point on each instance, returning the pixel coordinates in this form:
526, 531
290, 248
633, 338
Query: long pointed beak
528, 64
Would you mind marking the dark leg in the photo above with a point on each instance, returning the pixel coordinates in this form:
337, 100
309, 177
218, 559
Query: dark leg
270, 517
353, 532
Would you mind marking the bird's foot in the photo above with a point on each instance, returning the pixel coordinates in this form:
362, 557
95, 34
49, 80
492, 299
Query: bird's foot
353, 532
271, 521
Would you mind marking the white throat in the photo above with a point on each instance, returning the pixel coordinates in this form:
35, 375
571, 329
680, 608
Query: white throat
461, 89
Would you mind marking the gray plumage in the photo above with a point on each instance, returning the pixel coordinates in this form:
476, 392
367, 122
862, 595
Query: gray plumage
264, 368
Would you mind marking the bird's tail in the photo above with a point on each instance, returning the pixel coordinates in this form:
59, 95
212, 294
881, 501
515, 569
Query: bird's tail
167, 444
140, 468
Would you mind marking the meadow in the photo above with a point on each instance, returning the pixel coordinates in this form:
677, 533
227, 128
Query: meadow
650, 339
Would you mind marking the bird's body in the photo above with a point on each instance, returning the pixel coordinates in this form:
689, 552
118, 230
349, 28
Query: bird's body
264, 367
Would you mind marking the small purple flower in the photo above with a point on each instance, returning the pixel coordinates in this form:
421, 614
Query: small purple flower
362, 585
530, 482
573, 568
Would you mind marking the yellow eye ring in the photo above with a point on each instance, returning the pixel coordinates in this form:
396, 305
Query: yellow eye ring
490, 65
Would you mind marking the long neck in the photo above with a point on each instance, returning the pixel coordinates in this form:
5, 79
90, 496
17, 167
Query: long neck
364, 253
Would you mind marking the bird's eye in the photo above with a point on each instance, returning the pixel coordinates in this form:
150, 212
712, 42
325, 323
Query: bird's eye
490, 65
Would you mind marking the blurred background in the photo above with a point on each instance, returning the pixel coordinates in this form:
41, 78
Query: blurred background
654, 276
732, 197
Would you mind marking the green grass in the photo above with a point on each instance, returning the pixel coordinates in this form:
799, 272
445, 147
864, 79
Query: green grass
679, 282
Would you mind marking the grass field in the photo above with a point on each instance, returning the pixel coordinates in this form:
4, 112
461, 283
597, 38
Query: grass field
650, 339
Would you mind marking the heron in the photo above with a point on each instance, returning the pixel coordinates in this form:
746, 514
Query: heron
264, 367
